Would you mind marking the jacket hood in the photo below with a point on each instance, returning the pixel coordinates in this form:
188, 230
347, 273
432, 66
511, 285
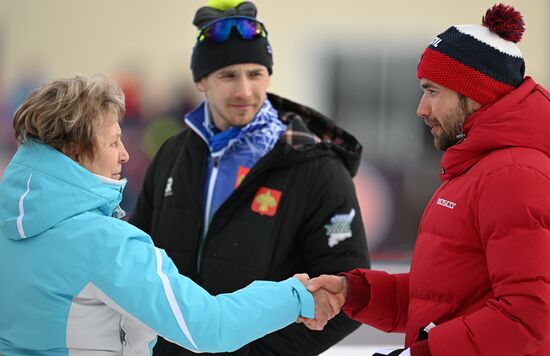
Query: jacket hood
307, 124
42, 187
519, 119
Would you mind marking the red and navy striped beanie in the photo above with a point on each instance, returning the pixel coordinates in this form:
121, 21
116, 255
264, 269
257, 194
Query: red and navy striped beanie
481, 62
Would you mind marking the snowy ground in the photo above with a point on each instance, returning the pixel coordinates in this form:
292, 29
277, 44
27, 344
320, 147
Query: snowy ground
355, 350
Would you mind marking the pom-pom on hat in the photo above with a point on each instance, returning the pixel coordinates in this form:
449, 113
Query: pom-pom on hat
210, 55
481, 62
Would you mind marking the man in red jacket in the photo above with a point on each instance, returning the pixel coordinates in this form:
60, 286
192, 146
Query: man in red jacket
479, 282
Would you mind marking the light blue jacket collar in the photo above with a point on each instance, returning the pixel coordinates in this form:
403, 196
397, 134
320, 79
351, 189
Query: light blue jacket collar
42, 187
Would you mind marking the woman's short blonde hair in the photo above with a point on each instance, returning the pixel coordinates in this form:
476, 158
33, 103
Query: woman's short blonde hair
66, 114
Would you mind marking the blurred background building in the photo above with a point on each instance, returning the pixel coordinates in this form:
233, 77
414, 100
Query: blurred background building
354, 60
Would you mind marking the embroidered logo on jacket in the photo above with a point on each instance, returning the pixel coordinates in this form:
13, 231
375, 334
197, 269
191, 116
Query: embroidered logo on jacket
436, 41
266, 201
168, 188
241, 173
446, 203
339, 228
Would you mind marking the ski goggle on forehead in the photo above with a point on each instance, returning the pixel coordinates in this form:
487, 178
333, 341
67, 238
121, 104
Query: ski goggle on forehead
218, 31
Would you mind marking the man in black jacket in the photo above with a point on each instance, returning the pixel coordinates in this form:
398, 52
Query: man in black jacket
257, 187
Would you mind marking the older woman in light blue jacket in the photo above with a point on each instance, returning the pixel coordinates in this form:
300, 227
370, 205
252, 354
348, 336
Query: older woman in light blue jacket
77, 280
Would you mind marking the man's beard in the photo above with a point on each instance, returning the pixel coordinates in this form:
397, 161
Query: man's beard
452, 125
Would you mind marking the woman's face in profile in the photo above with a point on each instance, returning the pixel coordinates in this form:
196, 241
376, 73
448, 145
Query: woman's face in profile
110, 153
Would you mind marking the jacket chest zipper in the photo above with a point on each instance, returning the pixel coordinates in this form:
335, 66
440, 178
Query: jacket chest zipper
432, 202
209, 196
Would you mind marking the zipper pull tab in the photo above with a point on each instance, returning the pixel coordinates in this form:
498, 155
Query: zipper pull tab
429, 327
216, 161
123, 337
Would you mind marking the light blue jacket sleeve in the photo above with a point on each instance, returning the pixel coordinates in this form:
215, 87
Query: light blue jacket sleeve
143, 281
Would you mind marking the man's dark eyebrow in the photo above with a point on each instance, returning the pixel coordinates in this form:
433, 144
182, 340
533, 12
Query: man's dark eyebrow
226, 71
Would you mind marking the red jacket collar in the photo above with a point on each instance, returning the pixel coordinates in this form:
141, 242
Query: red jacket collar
519, 119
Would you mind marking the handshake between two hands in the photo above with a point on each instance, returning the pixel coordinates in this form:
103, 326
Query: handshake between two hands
329, 293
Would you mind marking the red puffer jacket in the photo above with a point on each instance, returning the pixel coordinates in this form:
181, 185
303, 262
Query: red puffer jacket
481, 264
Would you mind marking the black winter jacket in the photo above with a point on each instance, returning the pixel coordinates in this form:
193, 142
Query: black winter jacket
241, 245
